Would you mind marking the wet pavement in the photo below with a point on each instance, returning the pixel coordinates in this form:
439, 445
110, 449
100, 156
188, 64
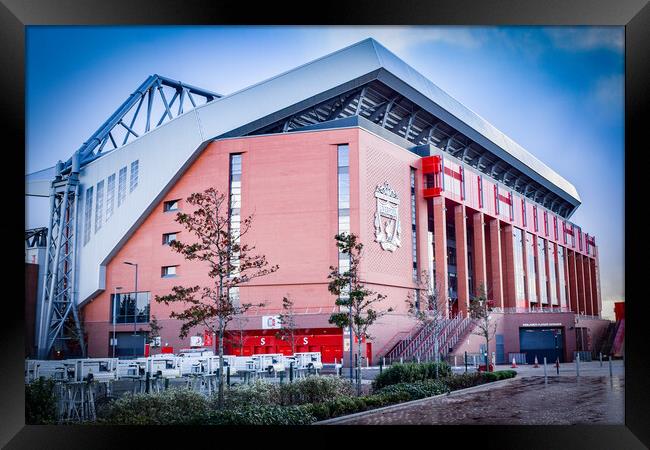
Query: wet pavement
565, 400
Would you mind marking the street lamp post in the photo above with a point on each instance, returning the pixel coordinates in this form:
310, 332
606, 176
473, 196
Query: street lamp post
135, 306
117, 288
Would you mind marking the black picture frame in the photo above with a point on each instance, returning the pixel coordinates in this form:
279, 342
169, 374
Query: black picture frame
15, 15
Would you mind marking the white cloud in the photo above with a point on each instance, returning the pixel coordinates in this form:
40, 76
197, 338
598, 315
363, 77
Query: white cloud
588, 38
400, 39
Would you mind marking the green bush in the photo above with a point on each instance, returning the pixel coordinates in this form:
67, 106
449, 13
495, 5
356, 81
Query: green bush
417, 390
171, 407
308, 390
40, 402
411, 372
499, 375
256, 393
261, 415
350, 405
463, 381
314, 390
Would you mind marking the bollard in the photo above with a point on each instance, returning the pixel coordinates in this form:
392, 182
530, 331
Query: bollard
281, 377
228, 376
418, 360
401, 360
600, 356
465, 362
381, 366
578, 365
166, 383
148, 382
455, 363
384, 360
545, 378
557, 365
291, 371
610, 366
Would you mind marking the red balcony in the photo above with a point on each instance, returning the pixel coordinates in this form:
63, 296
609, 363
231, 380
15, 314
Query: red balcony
432, 176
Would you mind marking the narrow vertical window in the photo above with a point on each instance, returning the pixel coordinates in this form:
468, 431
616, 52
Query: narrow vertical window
99, 206
523, 212
561, 265
88, 211
462, 182
480, 191
134, 176
579, 239
555, 226
496, 199
121, 187
343, 174
532, 268
541, 259
414, 233
110, 196
535, 224
545, 223
512, 206
235, 217
520, 274
552, 279
343, 183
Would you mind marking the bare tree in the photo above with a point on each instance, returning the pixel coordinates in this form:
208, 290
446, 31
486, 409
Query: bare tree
424, 307
479, 310
229, 262
352, 294
287, 330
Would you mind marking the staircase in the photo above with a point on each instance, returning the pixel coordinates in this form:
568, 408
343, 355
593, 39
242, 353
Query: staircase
421, 345
618, 345
608, 340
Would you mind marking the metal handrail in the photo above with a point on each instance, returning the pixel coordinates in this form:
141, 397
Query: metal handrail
517, 310
432, 336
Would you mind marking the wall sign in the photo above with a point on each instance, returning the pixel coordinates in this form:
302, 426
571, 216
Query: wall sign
271, 322
541, 325
387, 224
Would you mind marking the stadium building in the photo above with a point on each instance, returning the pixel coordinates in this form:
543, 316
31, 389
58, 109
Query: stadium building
356, 141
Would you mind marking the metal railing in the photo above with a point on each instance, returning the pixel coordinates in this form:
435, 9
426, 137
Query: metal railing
431, 333
518, 310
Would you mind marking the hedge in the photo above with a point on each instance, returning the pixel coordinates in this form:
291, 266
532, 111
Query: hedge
417, 390
410, 372
40, 402
261, 415
171, 407
499, 375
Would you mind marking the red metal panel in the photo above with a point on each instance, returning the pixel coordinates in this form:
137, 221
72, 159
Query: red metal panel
432, 192
431, 164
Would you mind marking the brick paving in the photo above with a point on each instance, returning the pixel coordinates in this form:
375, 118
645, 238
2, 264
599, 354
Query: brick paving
523, 401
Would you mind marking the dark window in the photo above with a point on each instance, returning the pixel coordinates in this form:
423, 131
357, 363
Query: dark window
168, 271
128, 309
167, 238
171, 205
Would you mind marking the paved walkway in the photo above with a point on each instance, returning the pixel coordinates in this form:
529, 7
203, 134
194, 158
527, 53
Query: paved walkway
564, 400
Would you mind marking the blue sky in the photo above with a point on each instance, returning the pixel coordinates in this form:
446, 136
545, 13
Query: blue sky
557, 91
